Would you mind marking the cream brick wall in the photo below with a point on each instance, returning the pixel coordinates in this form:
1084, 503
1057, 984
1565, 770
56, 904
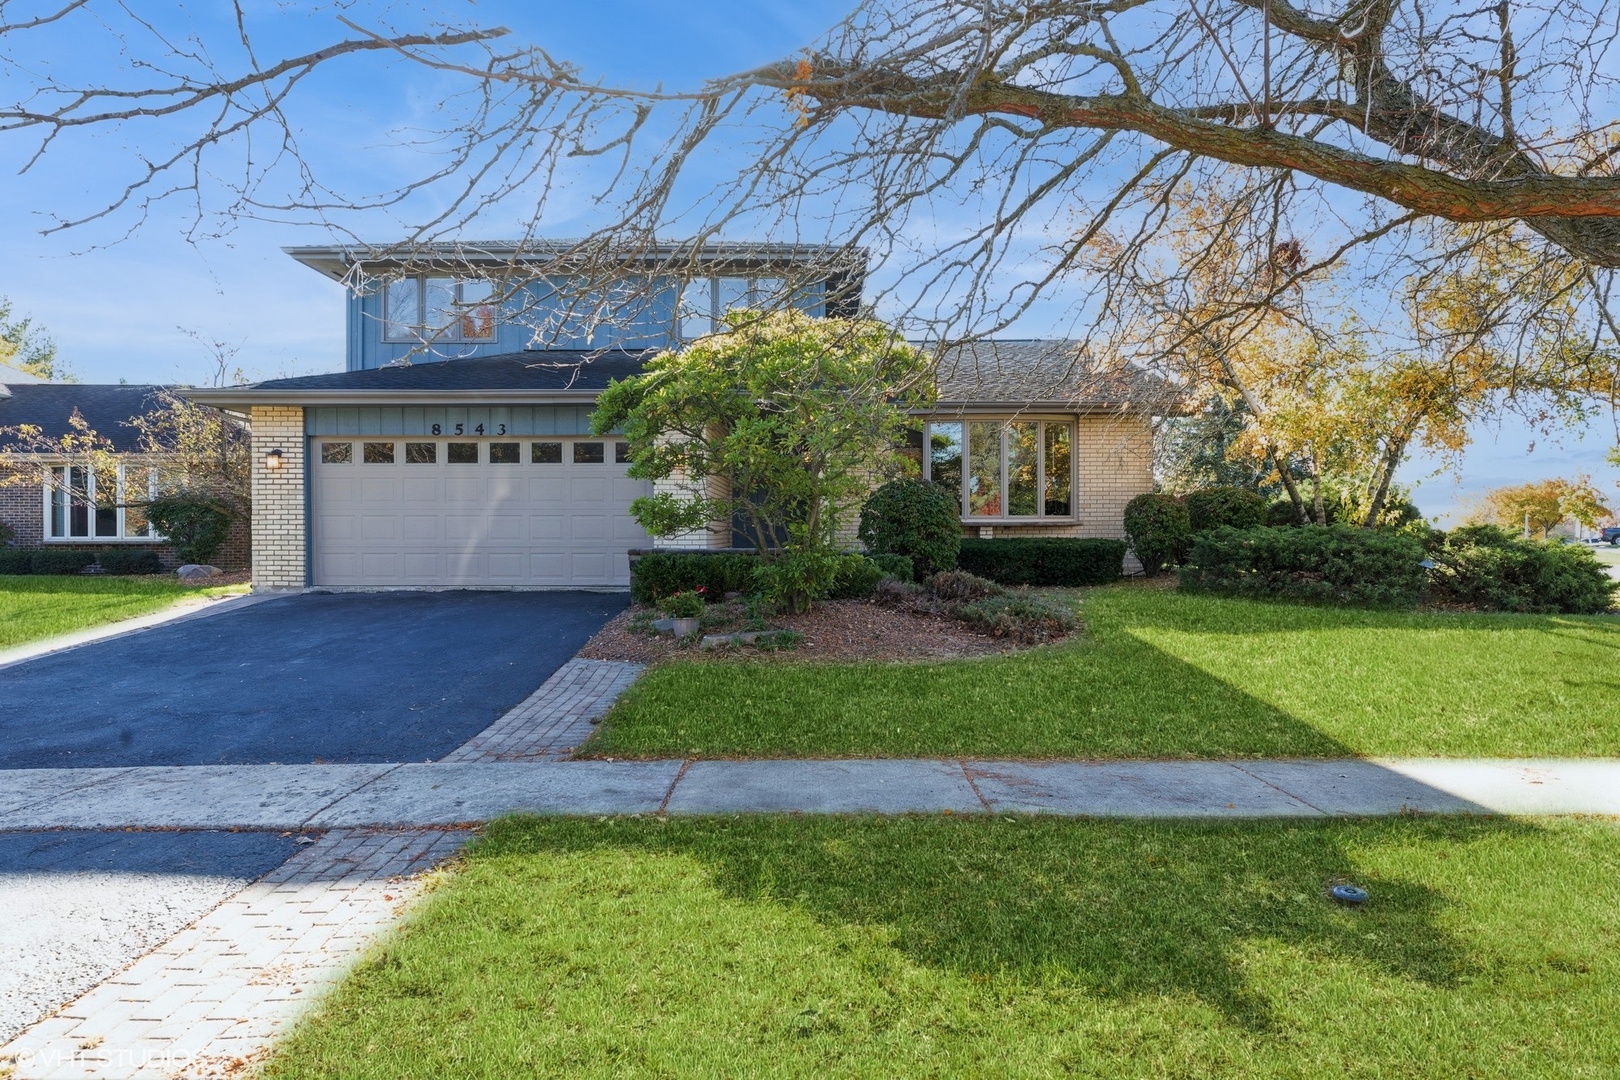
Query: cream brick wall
717, 535
278, 499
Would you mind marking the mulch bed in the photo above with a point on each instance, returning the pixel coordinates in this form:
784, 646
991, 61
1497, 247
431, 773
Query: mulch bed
833, 630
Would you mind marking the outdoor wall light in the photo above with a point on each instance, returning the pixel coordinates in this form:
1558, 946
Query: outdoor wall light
272, 460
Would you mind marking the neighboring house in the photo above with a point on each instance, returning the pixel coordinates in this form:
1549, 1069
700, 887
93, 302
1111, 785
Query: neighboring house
74, 510
455, 450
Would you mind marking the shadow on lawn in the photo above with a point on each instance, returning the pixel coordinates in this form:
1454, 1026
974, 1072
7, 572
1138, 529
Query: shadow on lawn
1123, 909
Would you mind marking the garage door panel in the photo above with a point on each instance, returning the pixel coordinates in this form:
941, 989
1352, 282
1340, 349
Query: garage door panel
587, 527
505, 527
430, 523
426, 567
544, 528
422, 527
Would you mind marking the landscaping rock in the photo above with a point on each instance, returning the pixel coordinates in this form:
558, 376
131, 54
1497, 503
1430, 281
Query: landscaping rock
197, 572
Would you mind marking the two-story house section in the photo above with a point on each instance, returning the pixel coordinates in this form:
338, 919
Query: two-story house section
455, 449
458, 301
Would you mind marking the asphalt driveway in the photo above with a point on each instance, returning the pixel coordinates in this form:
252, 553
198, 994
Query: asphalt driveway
321, 677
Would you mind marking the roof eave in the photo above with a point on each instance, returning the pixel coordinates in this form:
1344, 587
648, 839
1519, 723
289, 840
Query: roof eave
247, 398
1090, 406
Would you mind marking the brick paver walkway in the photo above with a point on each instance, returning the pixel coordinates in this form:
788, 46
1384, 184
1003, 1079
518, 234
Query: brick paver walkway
554, 720
209, 1001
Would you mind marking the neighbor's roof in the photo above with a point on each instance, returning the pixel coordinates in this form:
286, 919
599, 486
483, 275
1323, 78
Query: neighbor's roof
529, 377
1049, 373
106, 408
337, 260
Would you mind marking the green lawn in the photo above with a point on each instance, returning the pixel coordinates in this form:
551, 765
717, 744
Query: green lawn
1160, 674
40, 607
987, 946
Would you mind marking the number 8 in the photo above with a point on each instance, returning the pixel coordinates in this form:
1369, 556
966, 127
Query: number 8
435, 429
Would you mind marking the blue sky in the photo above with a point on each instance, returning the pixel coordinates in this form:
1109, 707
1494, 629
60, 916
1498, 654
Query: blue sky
120, 308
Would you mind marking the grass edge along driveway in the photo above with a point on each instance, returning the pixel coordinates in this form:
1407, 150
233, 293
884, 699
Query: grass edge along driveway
34, 607
781, 946
1159, 674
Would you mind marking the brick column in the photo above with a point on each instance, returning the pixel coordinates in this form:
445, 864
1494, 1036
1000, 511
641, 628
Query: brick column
278, 499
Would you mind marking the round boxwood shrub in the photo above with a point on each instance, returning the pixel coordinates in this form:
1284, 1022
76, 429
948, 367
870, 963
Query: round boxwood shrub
916, 519
196, 528
1212, 507
1158, 530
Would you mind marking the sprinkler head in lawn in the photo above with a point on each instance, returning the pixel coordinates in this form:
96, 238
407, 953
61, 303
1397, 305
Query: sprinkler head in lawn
1353, 895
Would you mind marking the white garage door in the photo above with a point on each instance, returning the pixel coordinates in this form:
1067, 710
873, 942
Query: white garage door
413, 511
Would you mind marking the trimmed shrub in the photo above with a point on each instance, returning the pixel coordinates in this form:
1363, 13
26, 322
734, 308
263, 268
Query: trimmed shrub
1212, 507
899, 567
16, 561
1017, 617
48, 561
961, 585
916, 519
1157, 527
196, 528
1332, 564
854, 578
1282, 512
662, 573
1044, 560
1492, 569
795, 579
683, 605
122, 561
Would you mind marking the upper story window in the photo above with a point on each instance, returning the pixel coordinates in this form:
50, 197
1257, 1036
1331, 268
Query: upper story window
432, 308
79, 506
704, 302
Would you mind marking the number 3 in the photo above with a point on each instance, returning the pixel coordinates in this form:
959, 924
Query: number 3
502, 431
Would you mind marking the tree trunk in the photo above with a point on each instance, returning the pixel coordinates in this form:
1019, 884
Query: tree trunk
1392, 457
1290, 487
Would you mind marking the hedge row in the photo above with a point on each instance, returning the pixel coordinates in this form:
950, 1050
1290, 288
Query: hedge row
1491, 569
663, 573
1327, 564
1064, 561
56, 561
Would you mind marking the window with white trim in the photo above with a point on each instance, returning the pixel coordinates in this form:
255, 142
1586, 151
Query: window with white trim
430, 308
1003, 469
705, 301
77, 507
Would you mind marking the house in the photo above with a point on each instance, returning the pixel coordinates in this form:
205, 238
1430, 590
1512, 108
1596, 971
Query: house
73, 509
455, 449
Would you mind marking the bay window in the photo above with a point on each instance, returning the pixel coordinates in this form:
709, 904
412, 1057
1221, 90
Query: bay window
1001, 469
78, 505
434, 308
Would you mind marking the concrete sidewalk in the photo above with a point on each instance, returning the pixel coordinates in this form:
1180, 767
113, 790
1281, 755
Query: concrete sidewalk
448, 793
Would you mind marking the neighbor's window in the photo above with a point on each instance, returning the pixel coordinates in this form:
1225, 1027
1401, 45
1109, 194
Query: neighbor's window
438, 309
78, 507
1004, 468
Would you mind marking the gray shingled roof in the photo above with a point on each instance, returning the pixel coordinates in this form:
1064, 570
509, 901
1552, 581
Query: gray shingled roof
1050, 371
106, 408
557, 369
